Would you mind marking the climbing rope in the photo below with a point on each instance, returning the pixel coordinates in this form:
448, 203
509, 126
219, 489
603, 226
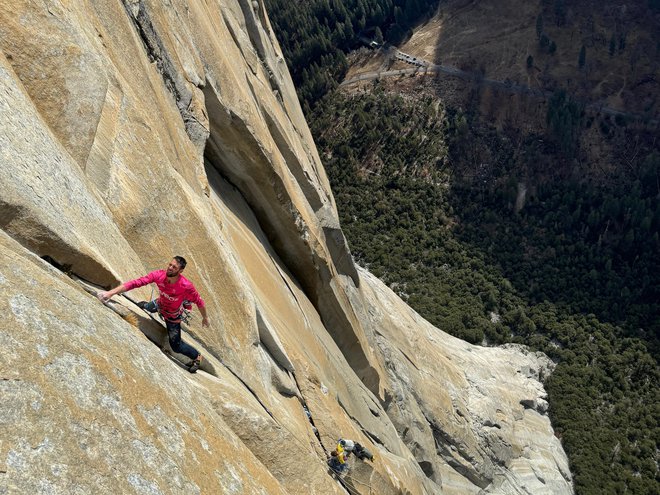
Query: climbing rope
227, 367
342, 477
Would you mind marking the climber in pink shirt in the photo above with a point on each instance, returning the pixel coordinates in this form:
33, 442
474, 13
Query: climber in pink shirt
175, 292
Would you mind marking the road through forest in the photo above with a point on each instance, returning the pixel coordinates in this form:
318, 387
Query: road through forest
424, 68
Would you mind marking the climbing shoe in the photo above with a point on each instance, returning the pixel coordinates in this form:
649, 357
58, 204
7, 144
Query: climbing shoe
149, 306
194, 366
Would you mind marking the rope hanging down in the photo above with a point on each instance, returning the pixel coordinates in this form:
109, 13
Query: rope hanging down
342, 478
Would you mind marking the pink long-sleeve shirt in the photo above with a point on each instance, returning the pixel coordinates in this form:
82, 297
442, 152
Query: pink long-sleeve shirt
171, 295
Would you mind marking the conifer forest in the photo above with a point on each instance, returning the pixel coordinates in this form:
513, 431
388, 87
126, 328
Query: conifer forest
497, 232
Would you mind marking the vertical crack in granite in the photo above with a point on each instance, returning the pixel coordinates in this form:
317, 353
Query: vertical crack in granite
253, 24
138, 13
235, 153
446, 444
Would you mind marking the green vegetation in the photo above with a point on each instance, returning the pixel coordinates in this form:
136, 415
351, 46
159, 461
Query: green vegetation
316, 34
564, 119
560, 13
431, 201
574, 273
547, 44
530, 61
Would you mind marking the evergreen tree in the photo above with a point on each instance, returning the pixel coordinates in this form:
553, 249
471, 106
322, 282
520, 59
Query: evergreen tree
378, 35
564, 119
544, 41
582, 58
560, 12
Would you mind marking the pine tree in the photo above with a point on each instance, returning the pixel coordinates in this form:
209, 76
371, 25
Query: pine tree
560, 12
378, 35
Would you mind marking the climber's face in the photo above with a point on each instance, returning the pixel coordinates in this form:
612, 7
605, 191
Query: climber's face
173, 269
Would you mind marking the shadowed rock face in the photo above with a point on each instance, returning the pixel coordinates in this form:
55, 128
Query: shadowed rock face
133, 131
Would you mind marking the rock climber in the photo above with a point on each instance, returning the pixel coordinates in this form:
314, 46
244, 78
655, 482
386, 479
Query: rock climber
349, 447
174, 290
362, 453
345, 446
337, 462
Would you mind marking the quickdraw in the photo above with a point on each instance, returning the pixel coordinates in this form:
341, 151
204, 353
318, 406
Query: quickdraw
185, 314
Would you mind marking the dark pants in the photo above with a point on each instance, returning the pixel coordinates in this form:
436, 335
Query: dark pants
178, 345
174, 334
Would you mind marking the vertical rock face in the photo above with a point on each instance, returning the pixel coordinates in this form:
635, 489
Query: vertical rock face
133, 131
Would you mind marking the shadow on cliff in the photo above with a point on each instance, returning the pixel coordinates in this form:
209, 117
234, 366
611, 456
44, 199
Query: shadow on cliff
235, 155
22, 225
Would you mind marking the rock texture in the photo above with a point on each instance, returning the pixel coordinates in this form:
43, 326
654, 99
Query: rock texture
132, 131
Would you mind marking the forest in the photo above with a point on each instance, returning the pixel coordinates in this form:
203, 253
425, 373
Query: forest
573, 270
316, 35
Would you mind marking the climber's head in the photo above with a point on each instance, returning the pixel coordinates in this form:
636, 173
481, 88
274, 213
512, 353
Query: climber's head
176, 266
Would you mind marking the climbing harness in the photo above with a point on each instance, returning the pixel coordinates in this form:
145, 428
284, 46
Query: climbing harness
185, 313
